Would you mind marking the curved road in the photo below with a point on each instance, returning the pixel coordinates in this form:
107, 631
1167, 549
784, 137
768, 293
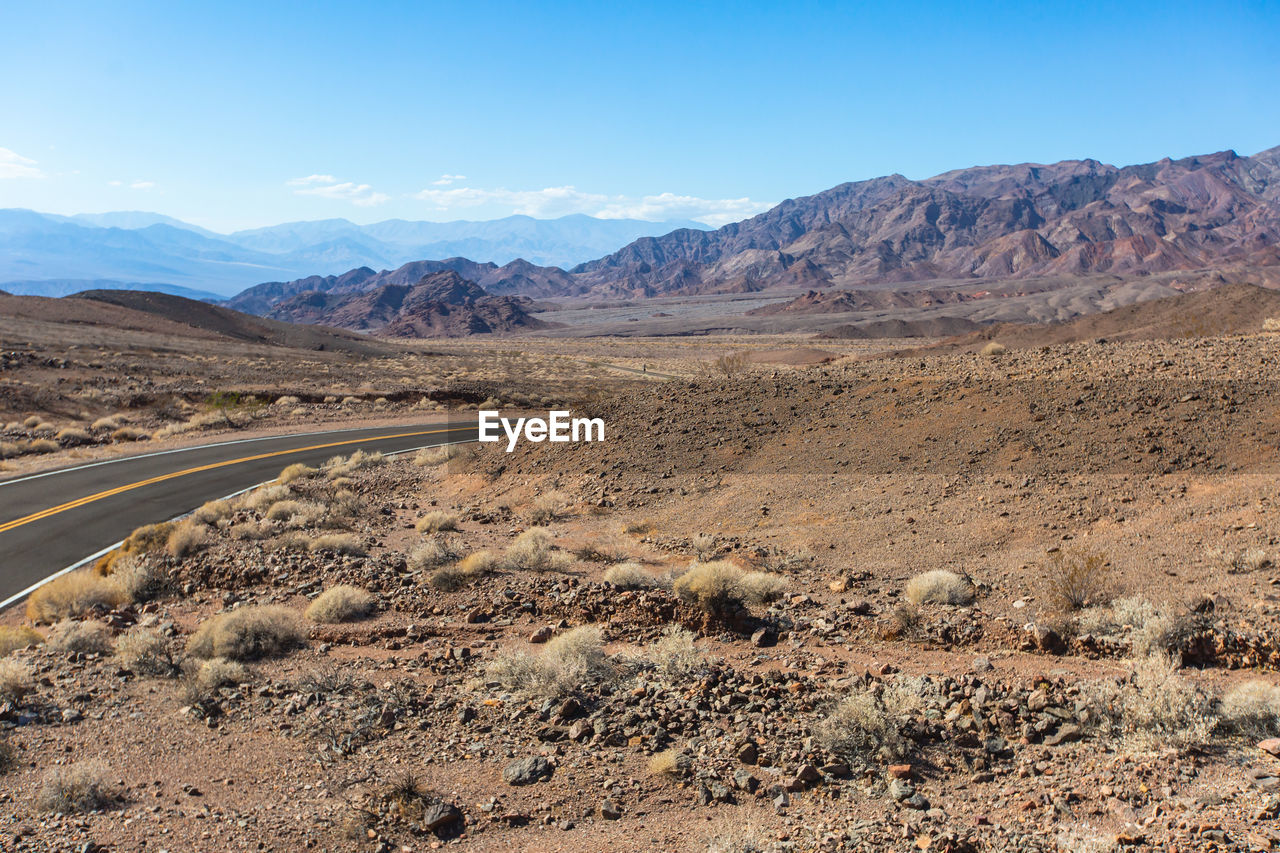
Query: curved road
55, 519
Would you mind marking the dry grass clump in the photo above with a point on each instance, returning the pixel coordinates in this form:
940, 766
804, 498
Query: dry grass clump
72, 596
1151, 629
43, 445
339, 466
1271, 324
674, 656
672, 763
186, 538
81, 787
547, 508
220, 672
639, 528
721, 588
139, 579
339, 543
341, 603
110, 422
532, 551
437, 521
248, 634
294, 472
994, 348
1246, 560
631, 576
145, 652
72, 435
867, 728
1251, 710
286, 400
296, 514
939, 587
16, 680
1077, 581
129, 434
570, 660
432, 456
480, 563
704, 545
213, 512
80, 637
1156, 707
17, 637
432, 553
607, 550
265, 496
449, 579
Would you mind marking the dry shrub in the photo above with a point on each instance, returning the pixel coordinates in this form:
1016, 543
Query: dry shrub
73, 596
674, 656
80, 637
994, 348
72, 435
720, 587
1271, 324
639, 528
1251, 710
1151, 629
220, 672
214, 511
730, 364
1076, 581
140, 579
186, 538
547, 508
265, 496
532, 551
672, 763
570, 660
81, 787
607, 550
248, 634
704, 545
631, 576
480, 563
286, 400
146, 652
437, 521
435, 456
449, 579
110, 422
341, 603
129, 434
296, 471
867, 728
1156, 707
8, 755
939, 587
43, 445
1246, 560
339, 466
432, 553
17, 637
16, 680
339, 543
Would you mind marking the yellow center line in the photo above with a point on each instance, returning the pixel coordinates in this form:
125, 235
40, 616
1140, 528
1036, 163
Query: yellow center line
45, 513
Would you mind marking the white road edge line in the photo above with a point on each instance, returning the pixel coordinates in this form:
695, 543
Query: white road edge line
13, 599
194, 447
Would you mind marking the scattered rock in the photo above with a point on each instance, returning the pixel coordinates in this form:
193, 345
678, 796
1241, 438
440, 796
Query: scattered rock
527, 771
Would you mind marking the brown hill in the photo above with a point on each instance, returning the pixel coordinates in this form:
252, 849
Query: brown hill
187, 317
1231, 309
440, 304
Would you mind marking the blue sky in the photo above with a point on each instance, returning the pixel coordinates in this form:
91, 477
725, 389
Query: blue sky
236, 115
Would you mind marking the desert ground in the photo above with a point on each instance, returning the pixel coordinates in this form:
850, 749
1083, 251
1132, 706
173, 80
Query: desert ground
807, 595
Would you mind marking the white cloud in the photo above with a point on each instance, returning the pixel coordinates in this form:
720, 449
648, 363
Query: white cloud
445, 180
561, 201
14, 165
327, 186
115, 183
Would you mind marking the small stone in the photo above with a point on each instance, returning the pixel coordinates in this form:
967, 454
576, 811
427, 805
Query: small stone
900, 771
527, 771
1271, 746
749, 753
916, 801
764, 637
745, 780
982, 664
900, 790
440, 816
541, 635
610, 810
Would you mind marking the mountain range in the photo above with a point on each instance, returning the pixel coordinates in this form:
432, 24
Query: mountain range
1059, 221
47, 254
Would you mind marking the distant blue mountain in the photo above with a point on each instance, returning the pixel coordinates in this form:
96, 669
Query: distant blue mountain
67, 287
133, 247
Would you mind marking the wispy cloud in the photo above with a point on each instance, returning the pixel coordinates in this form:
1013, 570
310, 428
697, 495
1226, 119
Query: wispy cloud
14, 165
133, 185
446, 180
561, 201
327, 186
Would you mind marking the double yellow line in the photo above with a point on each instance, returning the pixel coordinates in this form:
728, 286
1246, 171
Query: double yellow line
54, 510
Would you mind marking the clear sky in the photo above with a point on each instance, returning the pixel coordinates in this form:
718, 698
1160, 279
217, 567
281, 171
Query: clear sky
239, 114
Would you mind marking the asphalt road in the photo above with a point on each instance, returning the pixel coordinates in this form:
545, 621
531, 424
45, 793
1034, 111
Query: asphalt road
52, 520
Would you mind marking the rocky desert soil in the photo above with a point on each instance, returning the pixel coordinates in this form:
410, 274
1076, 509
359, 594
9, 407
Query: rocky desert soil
945, 601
